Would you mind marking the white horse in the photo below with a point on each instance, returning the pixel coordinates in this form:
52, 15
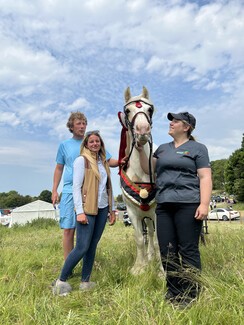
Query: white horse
138, 188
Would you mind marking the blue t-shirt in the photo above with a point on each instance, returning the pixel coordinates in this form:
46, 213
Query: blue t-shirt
68, 151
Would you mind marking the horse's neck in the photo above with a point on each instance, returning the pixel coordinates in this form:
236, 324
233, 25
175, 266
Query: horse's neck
134, 171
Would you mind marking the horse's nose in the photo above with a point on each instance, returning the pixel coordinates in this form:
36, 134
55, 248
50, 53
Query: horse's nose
143, 129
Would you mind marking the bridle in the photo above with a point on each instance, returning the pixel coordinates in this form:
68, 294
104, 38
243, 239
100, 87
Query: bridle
138, 104
130, 126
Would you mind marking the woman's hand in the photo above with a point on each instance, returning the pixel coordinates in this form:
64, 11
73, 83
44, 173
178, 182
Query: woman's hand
139, 147
112, 218
82, 218
201, 212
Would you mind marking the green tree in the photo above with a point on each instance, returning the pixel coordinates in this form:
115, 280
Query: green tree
46, 196
13, 199
218, 175
234, 173
3, 197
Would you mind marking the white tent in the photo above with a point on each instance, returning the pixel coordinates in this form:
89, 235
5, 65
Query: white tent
34, 210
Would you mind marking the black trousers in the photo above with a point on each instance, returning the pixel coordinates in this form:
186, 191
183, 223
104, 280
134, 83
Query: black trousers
178, 235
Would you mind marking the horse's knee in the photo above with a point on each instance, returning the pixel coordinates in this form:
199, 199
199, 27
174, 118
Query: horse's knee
139, 240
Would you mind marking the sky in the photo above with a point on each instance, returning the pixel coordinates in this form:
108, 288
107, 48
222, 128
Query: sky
61, 56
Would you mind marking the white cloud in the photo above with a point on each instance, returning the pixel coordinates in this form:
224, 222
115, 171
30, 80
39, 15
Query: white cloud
25, 67
60, 56
9, 118
79, 103
28, 153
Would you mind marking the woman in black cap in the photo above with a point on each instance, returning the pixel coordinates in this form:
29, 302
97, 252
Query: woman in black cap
184, 185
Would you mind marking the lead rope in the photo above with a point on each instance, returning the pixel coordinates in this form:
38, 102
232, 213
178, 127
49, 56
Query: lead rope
150, 160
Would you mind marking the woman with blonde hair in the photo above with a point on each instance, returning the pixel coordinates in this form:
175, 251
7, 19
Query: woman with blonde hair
93, 200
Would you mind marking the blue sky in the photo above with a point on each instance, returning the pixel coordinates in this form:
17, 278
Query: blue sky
60, 56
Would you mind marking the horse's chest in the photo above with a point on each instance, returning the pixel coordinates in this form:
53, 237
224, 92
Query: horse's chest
137, 176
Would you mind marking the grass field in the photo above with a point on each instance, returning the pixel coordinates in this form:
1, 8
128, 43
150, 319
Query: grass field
31, 257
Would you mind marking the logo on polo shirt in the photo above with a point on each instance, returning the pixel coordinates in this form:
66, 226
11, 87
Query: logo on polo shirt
183, 152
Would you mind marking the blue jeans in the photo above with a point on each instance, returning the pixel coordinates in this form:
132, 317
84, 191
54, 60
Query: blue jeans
178, 236
87, 238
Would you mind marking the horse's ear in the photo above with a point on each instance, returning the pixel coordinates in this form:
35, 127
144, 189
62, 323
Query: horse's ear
127, 94
145, 93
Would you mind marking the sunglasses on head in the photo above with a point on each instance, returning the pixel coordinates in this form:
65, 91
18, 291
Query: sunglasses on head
92, 132
187, 115
188, 119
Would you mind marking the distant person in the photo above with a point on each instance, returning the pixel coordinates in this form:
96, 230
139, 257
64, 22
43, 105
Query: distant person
68, 151
211, 205
214, 204
184, 185
126, 219
93, 199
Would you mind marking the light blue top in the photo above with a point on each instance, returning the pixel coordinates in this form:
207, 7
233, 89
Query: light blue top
68, 151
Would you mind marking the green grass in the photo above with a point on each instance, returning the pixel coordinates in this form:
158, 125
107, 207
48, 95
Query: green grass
31, 257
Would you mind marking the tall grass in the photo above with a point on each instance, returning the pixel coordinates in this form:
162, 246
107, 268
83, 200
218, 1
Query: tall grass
31, 257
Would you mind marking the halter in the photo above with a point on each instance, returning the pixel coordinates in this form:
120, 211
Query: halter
138, 104
130, 125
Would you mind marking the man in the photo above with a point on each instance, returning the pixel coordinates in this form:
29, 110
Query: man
68, 151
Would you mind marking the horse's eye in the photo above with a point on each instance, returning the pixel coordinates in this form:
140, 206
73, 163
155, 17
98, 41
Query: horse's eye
150, 111
127, 111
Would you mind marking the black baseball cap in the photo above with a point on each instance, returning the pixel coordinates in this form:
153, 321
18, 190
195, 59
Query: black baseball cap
184, 116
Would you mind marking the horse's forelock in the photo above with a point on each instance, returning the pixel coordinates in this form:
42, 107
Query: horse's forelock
138, 98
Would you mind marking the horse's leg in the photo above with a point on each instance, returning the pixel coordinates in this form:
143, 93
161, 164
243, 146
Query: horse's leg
150, 234
141, 256
153, 246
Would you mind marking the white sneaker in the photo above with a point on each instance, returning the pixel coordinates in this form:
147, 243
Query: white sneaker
61, 288
85, 286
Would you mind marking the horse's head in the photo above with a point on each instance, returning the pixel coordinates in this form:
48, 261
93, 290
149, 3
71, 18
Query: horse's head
138, 112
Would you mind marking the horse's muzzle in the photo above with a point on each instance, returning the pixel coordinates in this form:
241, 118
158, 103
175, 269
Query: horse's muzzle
142, 139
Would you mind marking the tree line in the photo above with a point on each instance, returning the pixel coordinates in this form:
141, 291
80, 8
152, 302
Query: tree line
13, 199
228, 176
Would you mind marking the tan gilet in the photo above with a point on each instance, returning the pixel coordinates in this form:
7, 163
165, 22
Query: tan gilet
89, 191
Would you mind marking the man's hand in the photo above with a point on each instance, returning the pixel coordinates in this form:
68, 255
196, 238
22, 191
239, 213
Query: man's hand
123, 161
55, 197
